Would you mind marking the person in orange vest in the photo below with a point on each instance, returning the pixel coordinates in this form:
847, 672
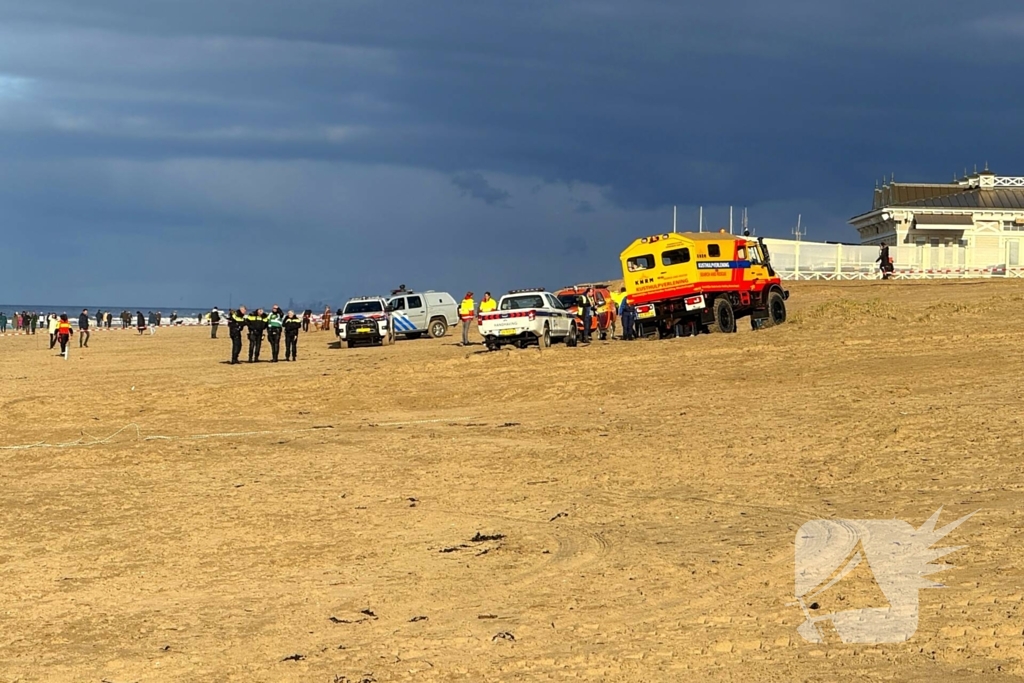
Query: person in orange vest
64, 333
467, 311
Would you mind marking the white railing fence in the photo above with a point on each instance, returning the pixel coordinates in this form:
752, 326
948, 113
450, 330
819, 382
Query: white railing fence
800, 260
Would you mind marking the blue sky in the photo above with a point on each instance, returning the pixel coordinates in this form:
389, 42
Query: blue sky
178, 151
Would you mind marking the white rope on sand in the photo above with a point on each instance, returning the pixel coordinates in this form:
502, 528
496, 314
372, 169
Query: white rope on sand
81, 441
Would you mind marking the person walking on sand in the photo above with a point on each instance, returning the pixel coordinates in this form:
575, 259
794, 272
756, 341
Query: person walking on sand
325, 320
3, 323
140, 322
467, 311
307, 315
83, 329
883, 260
51, 326
292, 324
63, 333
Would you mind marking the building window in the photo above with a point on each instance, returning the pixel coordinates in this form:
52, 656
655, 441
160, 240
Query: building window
1015, 225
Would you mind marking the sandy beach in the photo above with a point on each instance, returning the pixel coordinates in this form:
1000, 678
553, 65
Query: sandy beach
615, 512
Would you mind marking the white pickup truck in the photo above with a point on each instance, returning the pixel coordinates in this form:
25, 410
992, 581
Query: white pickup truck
527, 316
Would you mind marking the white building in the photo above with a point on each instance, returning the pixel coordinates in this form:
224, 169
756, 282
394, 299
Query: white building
975, 222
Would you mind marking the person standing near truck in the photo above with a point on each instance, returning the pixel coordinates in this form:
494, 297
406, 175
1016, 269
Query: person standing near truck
628, 320
292, 325
617, 298
585, 303
467, 311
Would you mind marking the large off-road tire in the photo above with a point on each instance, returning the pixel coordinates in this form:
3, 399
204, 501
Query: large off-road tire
351, 344
545, 338
438, 328
725, 316
571, 339
776, 309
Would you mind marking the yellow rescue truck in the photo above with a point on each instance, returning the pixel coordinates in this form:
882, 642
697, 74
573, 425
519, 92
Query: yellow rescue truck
686, 283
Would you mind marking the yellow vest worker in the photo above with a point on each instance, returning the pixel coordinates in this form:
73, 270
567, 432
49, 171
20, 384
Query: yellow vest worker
466, 311
487, 304
617, 298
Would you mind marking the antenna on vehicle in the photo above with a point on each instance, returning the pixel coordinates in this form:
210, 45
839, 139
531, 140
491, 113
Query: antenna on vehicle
730, 219
700, 225
673, 218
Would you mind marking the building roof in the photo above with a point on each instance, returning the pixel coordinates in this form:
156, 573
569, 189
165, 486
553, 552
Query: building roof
980, 191
976, 198
899, 194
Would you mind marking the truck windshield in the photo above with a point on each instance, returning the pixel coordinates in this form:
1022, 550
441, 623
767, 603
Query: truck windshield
568, 300
354, 307
516, 303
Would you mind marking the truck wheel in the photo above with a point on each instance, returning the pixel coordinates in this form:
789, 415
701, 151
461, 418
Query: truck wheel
545, 339
725, 317
570, 339
351, 344
776, 309
413, 335
438, 328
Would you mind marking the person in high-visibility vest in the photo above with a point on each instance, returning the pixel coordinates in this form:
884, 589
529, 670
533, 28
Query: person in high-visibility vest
63, 332
467, 311
487, 304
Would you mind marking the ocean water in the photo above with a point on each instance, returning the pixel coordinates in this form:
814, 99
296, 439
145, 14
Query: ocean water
74, 311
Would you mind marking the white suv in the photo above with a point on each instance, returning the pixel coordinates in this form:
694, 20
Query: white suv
365, 319
527, 316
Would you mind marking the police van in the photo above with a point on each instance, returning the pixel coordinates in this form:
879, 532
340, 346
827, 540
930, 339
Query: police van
414, 314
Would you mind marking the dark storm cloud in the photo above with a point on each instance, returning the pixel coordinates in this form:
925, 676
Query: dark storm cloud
474, 184
621, 108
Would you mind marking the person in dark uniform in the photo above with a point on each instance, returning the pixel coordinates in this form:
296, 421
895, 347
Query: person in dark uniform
275, 324
257, 323
214, 322
292, 325
236, 321
306, 316
140, 322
